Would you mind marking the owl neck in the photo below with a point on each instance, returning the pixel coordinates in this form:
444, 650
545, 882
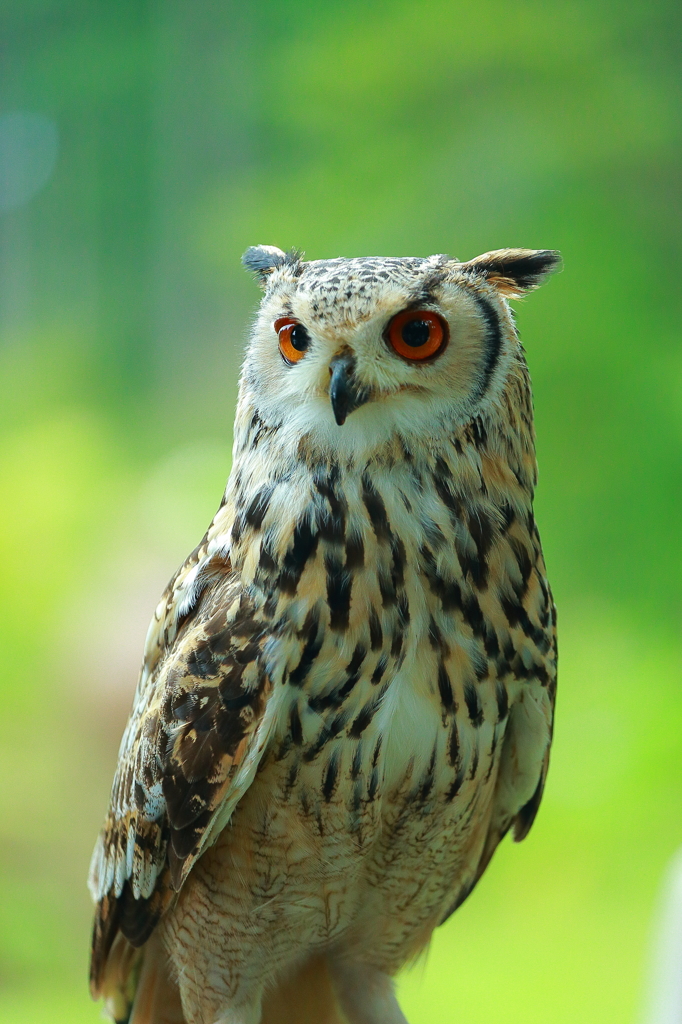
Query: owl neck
502, 429
286, 504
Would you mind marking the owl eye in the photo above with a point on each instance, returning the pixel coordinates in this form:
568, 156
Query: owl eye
293, 339
417, 334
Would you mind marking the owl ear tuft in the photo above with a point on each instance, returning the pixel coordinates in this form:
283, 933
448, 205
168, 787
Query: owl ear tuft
515, 271
263, 259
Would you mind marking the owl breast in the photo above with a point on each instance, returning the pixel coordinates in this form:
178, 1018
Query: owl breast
371, 808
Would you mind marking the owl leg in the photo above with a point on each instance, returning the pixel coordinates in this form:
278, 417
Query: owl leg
219, 1012
242, 1015
365, 994
207, 998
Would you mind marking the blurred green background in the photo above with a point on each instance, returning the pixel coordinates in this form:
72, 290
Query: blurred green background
143, 146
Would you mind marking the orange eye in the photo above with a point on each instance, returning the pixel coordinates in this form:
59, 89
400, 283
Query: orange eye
293, 339
417, 334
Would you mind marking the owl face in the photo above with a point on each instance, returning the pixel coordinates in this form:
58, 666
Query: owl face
349, 352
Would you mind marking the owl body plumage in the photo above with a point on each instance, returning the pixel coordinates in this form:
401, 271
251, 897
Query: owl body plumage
348, 688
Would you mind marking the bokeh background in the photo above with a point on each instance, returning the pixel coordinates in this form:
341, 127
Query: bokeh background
144, 145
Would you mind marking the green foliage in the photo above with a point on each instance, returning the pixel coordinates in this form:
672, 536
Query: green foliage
187, 133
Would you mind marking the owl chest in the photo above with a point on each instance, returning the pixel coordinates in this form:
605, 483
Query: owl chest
385, 687
380, 768
408, 743
387, 714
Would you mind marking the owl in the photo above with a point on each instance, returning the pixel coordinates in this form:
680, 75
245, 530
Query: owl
347, 692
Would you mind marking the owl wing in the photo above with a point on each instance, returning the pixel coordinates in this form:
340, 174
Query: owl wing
524, 756
190, 750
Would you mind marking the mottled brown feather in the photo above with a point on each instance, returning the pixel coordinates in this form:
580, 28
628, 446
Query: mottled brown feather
191, 732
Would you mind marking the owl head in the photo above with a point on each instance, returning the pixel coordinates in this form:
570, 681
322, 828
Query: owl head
351, 352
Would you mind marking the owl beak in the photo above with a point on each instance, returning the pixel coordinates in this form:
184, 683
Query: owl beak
344, 391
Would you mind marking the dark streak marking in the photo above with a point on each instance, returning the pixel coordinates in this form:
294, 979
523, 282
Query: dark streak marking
357, 658
339, 586
291, 778
445, 688
403, 610
295, 727
532, 671
474, 763
490, 641
508, 649
303, 547
453, 745
381, 667
237, 528
405, 500
447, 590
481, 530
473, 615
331, 776
335, 697
310, 651
329, 528
375, 509
373, 784
375, 633
473, 703
429, 779
364, 718
470, 563
337, 504
398, 554
436, 639
479, 433
523, 560
491, 756
518, 616
453, 504
502, 699
355, 552
327, 733
493, 343
543, 642
456, 784
255, 513
386, 587
282, 751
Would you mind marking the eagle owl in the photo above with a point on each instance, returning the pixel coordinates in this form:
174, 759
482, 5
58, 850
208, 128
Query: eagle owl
347, 692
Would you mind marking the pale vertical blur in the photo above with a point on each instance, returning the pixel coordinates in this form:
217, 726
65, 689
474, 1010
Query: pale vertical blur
664, 995
143, 147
